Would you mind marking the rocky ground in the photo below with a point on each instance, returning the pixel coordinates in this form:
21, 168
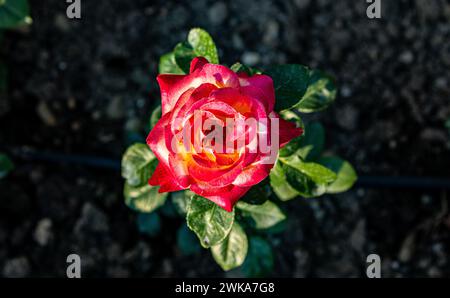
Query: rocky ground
87, 87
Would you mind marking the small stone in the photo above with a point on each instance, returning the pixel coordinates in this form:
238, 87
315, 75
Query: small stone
167, 267
430, 134
91, 219
347, 117
43, 232
302, 3
358, 236
71, 103
271, 32
427, 9
96, 115
406, 57
426, 199
16, 268
434, 272
237, 41
217, 13
61, 22
115, 109
251, 58
441, 83
407, 248
346, 91
392, 144
133, 124
46, 115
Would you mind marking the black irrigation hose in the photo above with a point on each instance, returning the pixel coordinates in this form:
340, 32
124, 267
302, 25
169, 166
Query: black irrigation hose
403, 182
106, 163
60, 158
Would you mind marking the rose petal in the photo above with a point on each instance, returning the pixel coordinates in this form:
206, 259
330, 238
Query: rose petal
252, 175
265, 84
166, 83
197, 63
185, 102
245, 105
172, 86
179, 170
287, 130
267, 100
162, 177
218, 75
157, 141
225, 197
214, 175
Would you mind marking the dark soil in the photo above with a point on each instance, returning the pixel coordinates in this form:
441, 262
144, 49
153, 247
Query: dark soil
88, 86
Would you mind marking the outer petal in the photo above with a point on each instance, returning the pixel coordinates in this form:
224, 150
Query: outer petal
225, 197
265, 84
172, 86
218, 75
266, 100
157, 141
288, 131
162, 177
197, 63
166, 83
179, 171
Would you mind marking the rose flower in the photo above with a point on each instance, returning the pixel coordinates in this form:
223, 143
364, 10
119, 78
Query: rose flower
223, 168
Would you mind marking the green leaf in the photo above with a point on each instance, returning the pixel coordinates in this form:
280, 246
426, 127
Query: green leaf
138, 164
149, 223
312, 142
203, 45
187, 242
290, 82
6, 165
318, 173
302, 184
280, 185
259, 261
239, 68
156, 115
320, 94
167, 64
346, 175
291, 115
199, 44
14, 13
181, 200
277, 229
210, 222
258, 194
184, 53
231, 252
144, 198
265, 215
292, 147
305, 178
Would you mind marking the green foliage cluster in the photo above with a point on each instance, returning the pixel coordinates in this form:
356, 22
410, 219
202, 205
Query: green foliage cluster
13, 13
242, 237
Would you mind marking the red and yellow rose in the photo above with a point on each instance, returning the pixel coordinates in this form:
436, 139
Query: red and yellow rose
213, 92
